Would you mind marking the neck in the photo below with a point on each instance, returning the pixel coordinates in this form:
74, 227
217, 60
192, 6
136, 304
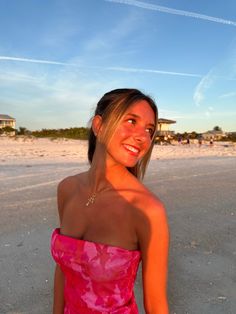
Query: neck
105, 173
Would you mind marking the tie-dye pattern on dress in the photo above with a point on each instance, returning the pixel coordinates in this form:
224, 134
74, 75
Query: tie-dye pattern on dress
99, 278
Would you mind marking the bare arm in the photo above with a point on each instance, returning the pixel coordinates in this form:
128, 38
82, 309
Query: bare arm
58, 299
154, 241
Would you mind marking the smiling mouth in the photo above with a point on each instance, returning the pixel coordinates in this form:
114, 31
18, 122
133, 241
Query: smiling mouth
132, 149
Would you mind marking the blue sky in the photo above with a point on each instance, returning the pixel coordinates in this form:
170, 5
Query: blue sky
57, 58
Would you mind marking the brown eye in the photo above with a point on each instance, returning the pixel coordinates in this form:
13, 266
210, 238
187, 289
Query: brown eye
131, 121
150, 131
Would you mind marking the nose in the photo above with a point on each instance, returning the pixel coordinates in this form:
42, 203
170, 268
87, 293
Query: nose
141, 135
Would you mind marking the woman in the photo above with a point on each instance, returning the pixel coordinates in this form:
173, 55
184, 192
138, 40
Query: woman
109, 220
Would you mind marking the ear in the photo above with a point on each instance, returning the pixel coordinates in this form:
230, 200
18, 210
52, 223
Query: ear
96, 124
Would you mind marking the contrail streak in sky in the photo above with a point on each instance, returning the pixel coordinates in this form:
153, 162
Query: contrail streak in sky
155, 7
5, 58
121, 69
117, 69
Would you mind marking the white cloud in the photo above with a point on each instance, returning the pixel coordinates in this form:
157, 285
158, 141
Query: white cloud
17, 76
204, 84
228, 95
212, 86
63, 98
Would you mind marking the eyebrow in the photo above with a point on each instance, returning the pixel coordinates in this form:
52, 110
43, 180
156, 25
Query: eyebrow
137, 116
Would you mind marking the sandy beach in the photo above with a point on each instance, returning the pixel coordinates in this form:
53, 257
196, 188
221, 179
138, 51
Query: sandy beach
197, 185
38, 150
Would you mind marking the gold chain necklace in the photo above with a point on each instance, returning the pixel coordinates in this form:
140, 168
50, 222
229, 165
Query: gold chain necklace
91, 199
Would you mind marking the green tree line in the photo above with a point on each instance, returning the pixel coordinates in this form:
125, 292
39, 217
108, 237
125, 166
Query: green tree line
82, 133
73, 133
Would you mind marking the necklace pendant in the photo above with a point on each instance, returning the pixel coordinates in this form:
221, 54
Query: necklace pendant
91, 199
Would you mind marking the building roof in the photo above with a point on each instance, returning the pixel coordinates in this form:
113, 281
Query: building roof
166, 121
213, 132
5, 117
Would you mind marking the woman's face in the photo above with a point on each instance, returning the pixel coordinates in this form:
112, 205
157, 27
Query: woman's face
133, 136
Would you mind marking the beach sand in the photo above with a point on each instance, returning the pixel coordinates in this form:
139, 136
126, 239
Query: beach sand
38, 150
196, 184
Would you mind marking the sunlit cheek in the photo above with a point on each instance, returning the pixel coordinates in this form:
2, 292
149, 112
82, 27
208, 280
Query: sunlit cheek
126, 130
149, 141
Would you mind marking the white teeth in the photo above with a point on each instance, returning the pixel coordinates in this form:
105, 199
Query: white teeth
132, 149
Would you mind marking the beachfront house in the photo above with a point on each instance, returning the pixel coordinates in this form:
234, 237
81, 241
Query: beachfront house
7, 121
216, 135
163, 128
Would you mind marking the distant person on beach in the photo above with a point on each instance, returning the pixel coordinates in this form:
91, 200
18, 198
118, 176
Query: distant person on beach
109, 221
179, 139
200, 141
211, 141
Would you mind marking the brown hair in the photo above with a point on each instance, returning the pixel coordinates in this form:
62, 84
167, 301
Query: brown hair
111, 107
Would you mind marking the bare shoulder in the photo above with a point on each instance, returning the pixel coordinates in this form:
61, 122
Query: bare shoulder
67, 185
148, 203
153, 206
66, 189
150, 215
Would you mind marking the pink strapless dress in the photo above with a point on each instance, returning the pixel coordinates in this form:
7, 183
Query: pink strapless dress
99, 278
